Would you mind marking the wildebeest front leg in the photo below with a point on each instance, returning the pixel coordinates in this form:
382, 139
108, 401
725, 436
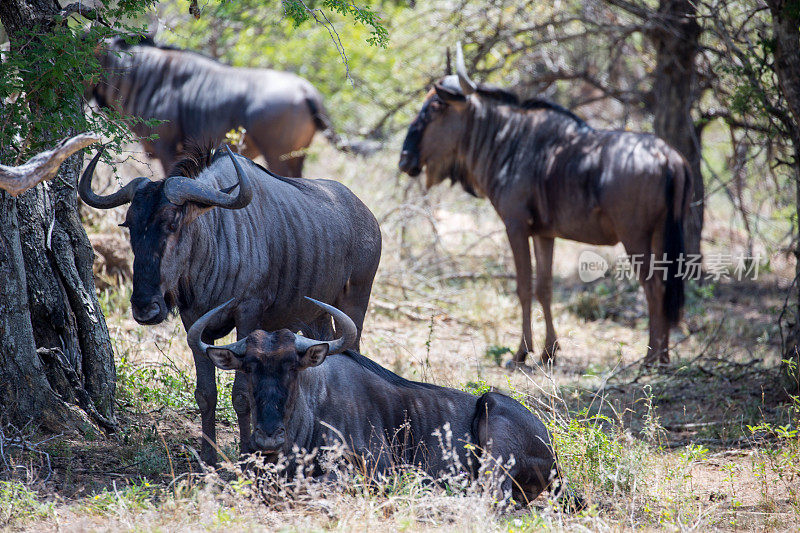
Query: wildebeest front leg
206, 396
543, 249
241, 404
520, 248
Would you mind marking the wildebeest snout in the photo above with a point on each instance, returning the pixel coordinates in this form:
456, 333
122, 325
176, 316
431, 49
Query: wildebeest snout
150, 313
269, 443
409, 163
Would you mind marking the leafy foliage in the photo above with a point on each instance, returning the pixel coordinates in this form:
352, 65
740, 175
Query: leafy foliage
367, 89
596, 452
18, 503
299, 12
46, 72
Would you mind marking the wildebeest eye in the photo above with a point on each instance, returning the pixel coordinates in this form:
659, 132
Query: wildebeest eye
174, 223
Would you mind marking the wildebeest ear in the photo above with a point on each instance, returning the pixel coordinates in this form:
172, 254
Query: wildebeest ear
314, 356
448, 95
193, 210
224, 359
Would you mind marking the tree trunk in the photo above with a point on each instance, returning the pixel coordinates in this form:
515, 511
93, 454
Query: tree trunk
57, 365
786, 35
676, 39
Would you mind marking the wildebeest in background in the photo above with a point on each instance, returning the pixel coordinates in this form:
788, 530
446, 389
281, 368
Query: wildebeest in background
313, 394
274, 241
548, 174
202, 99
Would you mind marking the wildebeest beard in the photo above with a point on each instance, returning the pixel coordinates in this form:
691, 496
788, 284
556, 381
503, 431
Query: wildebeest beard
452, 169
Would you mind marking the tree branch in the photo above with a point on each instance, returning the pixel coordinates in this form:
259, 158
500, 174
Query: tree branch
79, 8
730, 120
631, 8
43, 166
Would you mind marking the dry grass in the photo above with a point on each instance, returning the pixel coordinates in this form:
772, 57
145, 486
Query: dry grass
649, 451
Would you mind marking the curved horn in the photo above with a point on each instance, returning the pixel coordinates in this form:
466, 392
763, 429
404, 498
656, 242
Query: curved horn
195, 336
467, 85
122, 196
343, 323
180, 190
448, 70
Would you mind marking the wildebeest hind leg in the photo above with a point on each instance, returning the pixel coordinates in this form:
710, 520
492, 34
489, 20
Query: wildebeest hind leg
353, 300
641, 255
543, 249
320, 328
657, 349
517, 449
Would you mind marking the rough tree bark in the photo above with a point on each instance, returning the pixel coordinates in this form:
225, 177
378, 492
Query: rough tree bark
786, 36
56, 361
677, 41
675, 34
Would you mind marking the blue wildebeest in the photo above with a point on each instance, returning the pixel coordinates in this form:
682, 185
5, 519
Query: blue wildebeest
269, 244
313, 394
548, 174
202, 99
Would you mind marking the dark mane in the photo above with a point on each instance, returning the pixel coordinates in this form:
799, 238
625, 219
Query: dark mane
146, 40
194, 159
504, 96
385, 374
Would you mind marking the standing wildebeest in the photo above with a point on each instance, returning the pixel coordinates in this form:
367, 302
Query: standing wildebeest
548, 174
202, 99
274, 241
384, 421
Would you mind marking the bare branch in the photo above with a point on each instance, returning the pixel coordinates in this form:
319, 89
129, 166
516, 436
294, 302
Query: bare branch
634, 9
87, 12
43, 166
730, 120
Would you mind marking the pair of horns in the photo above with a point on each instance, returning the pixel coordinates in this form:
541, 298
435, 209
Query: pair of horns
177, 189
344, 324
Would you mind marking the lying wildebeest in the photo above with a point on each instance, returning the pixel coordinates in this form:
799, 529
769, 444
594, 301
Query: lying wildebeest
383, 420
548, 174
202, 99
272, 242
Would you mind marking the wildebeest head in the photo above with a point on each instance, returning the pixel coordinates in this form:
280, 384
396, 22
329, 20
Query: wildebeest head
158, 213
432, 139
272, 362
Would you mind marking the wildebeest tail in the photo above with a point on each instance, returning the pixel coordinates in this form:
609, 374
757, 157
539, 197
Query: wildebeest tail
323, 123
677, 188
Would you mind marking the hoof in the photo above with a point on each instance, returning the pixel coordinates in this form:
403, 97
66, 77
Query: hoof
513, 365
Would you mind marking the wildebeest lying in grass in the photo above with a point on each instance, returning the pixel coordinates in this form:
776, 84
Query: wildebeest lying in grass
201, 99
312, 394
548, 174
268, 245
